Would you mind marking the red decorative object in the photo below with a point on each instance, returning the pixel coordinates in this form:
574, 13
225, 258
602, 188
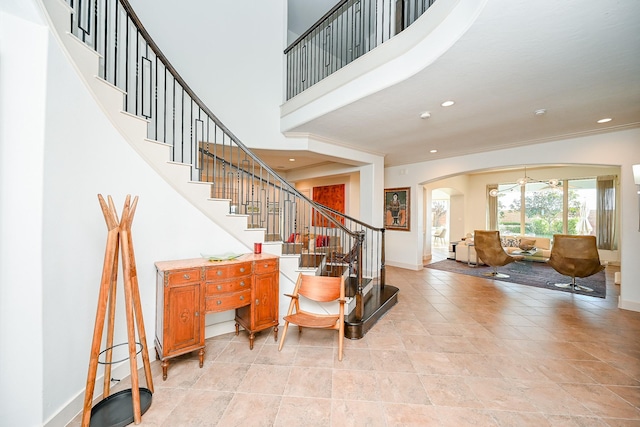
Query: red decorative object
331, 196
322, 241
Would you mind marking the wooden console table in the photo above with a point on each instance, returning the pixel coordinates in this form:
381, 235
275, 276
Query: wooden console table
188, 289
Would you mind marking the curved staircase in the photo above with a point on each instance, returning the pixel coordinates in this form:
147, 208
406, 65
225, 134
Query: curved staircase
198, 182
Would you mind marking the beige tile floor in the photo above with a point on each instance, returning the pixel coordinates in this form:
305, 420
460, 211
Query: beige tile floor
455, 351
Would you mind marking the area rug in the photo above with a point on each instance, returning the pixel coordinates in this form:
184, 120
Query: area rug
536, 274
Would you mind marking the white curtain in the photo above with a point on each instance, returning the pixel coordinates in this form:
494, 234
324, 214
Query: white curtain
492, 208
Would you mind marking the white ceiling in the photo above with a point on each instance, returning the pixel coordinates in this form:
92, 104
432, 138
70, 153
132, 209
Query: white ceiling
579, 60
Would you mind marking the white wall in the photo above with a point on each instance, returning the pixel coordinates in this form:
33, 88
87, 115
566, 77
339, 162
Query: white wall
58, 153
457, 215
22, 82
56, 157
617, 148
235, 65
85, 156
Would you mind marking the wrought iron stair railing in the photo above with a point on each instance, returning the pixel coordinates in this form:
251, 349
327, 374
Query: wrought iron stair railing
346, 32
154, 90
322, 236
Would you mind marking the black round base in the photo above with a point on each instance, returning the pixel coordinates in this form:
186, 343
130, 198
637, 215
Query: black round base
117, 409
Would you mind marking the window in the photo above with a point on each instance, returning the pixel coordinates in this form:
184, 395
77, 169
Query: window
509, 203
544, 209
439, 210
539, 209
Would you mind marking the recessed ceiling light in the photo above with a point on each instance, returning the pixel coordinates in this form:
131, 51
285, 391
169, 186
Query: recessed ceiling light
292, 160
425, 115
606, 120
433, 151
447, 103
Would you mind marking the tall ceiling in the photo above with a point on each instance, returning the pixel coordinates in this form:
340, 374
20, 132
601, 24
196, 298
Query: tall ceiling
577, 60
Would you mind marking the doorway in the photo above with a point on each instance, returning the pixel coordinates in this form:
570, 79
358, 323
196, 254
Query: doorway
440, 220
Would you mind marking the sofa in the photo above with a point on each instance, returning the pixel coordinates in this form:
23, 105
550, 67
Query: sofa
542, 244
510, 244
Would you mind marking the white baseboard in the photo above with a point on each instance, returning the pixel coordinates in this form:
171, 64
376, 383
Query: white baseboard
415, 267
628, 305
219, 329
121, 371
74, 407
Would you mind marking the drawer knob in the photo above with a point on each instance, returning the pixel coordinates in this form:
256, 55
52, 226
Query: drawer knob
257, 302
241, 269
218, 302
219, 272
241, 297
242, 283
186, 276
219, 287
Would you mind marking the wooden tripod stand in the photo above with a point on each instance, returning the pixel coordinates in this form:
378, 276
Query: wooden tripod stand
118, 241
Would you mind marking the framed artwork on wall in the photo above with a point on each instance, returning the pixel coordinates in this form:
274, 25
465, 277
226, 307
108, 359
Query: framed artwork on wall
397, 204
273, 208
332, 196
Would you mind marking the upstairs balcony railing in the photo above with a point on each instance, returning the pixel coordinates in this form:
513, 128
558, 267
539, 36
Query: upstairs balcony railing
131, 61
349, 30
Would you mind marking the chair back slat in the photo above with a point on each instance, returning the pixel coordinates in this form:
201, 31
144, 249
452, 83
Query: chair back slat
321, 288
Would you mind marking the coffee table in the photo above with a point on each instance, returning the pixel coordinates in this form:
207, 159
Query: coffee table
530, 252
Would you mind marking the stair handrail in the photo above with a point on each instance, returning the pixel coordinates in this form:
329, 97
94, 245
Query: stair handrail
331, 214
149, 40
291, 189
128, 63
187, 88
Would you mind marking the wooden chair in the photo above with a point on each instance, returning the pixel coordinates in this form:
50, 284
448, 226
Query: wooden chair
321, 289
575, 256
490, 251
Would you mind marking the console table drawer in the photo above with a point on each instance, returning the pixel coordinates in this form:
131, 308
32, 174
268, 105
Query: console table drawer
226, 302
215, 288
266, 266
184, 276
227, 271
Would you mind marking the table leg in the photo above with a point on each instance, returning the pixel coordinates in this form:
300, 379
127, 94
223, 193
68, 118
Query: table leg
201, 357
469, 257
165, 366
